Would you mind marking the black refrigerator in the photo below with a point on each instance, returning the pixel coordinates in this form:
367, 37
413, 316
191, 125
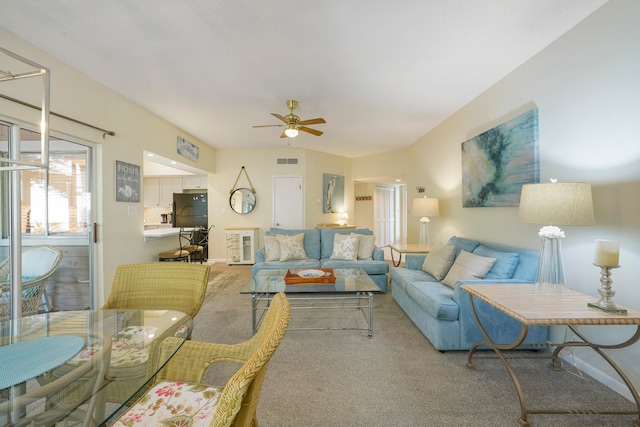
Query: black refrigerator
190, 210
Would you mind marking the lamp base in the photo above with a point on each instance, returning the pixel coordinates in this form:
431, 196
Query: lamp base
424, 234
608, 308
606, 303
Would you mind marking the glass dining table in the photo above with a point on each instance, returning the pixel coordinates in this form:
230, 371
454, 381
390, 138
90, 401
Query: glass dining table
82, 367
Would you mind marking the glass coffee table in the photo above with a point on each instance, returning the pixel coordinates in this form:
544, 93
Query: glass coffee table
353, 289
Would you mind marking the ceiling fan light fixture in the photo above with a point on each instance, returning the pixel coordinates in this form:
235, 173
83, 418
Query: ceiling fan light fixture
291, 131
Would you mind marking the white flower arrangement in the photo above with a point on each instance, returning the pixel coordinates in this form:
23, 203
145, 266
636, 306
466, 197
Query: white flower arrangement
551, 232
424, 219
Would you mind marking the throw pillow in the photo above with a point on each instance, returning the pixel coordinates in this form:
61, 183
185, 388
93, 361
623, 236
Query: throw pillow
291, 247
345, 247
506, 262
271, 248
366, 243
468, 266
439, 260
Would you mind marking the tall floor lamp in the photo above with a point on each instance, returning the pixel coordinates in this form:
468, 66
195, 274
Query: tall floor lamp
554, 204
425, 208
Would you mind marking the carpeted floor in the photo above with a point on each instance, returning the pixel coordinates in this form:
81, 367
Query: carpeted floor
343, 378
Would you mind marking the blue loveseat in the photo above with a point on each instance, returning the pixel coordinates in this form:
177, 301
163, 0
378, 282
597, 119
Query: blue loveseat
443, 314
318, 244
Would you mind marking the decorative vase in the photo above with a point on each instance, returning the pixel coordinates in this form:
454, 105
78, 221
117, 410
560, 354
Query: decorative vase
550, 278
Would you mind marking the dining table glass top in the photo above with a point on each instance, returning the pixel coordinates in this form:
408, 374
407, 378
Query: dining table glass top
82, 366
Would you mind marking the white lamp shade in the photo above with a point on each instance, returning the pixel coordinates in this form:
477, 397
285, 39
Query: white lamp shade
559, 203
425, 207
291, 132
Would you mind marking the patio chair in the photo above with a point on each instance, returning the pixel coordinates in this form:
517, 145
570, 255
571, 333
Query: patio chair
38, 265
233, 405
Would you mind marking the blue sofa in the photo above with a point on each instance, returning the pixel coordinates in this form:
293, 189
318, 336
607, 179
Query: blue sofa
318, 244
443, 314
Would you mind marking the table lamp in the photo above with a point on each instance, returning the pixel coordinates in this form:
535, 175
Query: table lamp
425, 208
551, 205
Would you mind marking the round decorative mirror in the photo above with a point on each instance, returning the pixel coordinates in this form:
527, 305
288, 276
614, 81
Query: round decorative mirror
242, 200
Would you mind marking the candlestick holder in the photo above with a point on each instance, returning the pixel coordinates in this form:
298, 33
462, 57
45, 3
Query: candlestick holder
606, 302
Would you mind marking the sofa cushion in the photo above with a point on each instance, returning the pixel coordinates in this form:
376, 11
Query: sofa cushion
291, 247
439, 260
345, 247
505, 265
435, 299
468, 266
463, 244
400, 276
271, 248
366, 243
326, 238
311, 239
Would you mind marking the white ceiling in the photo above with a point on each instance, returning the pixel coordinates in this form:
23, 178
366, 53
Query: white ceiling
382, 73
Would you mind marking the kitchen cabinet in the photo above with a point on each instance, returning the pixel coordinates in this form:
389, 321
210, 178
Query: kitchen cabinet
195, 182
241, 245
159, 191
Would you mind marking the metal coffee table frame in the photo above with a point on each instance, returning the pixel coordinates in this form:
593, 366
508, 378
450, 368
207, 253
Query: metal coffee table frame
354, 289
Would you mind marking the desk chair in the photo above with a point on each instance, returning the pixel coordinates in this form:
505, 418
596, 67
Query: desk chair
235, 403
38, 265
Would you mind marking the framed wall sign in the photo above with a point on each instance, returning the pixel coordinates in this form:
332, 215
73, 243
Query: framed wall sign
127, 182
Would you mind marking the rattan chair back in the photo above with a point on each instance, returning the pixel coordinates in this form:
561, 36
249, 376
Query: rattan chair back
159, 286
239, 400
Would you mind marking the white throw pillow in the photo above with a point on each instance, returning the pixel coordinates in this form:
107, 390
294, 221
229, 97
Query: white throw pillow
271, 248
366, 243
468, 266
291, 247
439, 260
345, 247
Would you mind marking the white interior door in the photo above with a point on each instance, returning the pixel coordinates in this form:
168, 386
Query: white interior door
287, 202
384, 203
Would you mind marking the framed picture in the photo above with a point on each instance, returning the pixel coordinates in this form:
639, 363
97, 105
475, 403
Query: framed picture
127, 182
188, 150
496, 163
332, 193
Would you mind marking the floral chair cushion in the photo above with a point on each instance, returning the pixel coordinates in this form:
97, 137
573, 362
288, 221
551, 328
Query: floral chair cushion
129, 347
173, 403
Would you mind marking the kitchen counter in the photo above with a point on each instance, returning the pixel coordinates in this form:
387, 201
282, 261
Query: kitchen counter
157, 233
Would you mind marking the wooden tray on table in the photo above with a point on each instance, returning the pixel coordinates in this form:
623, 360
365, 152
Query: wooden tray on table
310, 276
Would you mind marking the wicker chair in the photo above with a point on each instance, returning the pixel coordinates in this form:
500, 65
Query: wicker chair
38, 265
153, 286
233, 405
159, 285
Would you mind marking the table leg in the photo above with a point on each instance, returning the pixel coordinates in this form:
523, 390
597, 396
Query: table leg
254, 307
395, 264
370, 294
522, 422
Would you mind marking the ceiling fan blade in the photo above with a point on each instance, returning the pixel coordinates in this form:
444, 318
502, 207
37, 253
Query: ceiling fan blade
311, 131
268, 126
278, 116
317, 121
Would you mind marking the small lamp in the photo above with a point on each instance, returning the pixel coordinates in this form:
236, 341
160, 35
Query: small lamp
291, 131
425, 208
554, 204
345, 219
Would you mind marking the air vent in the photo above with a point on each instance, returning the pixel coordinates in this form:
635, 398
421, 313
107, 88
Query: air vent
287, 161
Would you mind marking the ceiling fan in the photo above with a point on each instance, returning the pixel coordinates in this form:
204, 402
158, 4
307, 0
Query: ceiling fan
293, 124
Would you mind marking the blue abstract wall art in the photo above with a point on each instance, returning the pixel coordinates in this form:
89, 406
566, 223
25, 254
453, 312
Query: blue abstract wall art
496, 163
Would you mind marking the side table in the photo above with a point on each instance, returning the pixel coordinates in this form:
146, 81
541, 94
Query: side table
570, 309
408, 248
